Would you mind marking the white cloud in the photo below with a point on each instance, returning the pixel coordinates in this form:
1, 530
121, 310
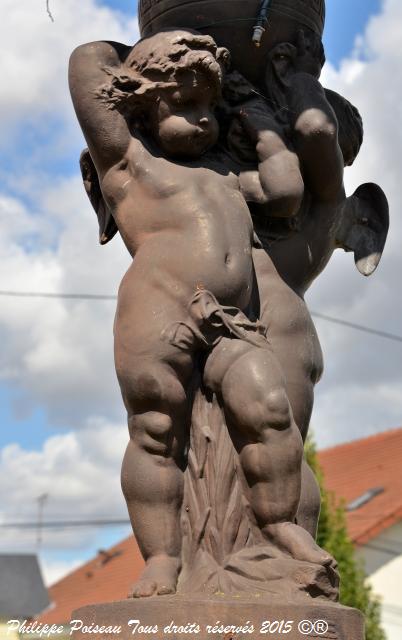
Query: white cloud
361, 389
53, 351
74, 468
35, 55
80, 473
59, 353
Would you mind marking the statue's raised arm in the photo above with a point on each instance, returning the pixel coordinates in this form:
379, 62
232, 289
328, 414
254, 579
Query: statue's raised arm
313, 122
105, 129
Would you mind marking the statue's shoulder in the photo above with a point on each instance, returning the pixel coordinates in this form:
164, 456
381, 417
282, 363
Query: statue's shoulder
97, 53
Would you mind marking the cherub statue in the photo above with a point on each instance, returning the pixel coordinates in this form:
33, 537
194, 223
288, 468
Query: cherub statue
179, 203
204, 295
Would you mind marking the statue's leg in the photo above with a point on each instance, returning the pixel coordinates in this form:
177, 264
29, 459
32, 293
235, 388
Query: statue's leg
250, 383
152, 472
300, 391
308, 511
154, 377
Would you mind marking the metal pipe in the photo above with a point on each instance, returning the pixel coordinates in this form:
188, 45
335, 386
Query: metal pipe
262, 19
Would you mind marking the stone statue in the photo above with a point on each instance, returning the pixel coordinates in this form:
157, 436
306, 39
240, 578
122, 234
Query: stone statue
215, 152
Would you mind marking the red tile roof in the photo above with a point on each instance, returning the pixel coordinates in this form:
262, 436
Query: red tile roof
350, 471
105, 578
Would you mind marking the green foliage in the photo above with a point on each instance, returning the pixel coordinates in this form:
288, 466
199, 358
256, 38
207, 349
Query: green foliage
333, 536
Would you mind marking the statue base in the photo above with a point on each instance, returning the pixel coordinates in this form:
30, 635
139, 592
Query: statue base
218, 617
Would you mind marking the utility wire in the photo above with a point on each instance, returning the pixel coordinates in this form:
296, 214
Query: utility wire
358, 327
393, 542
106, 521
368, 516
67, 524
52, 524
68, 296
64, 524
394, 607
61, 524
382, 549
91, 296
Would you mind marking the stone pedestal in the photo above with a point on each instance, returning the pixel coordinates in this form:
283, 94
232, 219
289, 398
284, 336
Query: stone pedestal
217, 618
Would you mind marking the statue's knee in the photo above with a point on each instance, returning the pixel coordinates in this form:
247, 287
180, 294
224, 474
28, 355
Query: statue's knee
141, 386
277, 409
152, 431
153, 387
262, 410
310, 501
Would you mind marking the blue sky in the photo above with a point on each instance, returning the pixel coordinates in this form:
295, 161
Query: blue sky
345, 20
39, 176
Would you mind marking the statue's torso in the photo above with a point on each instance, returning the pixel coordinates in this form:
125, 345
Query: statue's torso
190, 222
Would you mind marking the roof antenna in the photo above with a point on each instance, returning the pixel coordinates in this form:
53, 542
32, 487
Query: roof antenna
262, 19
41, 504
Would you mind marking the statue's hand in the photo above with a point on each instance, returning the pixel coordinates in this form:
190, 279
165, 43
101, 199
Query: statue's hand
256, 118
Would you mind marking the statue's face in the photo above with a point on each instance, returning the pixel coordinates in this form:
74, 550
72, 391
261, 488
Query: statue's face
183, 121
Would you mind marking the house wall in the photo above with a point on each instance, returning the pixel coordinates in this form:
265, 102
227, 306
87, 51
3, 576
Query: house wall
380, 551
383, 561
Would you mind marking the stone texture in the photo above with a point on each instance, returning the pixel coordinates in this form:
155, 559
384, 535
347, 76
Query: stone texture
343, 623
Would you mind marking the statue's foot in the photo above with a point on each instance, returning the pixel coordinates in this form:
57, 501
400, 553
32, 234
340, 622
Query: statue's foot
158, 578
296, 541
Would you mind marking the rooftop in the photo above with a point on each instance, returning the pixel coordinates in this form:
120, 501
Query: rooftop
105, 578
368, 472
22, 592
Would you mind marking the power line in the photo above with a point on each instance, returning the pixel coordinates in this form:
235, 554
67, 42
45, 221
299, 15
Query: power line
91, 296
382, 549
41, 505
392, 607
397, 542
358, 327
67, 296
62, 524
118, 522
369, 516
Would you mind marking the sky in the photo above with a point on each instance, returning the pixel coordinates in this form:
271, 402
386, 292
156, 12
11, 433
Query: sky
63, 430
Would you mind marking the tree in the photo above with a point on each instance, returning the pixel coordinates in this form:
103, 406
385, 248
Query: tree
333, 536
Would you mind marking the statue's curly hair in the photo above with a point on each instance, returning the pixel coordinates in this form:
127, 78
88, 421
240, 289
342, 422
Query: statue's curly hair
157, 62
